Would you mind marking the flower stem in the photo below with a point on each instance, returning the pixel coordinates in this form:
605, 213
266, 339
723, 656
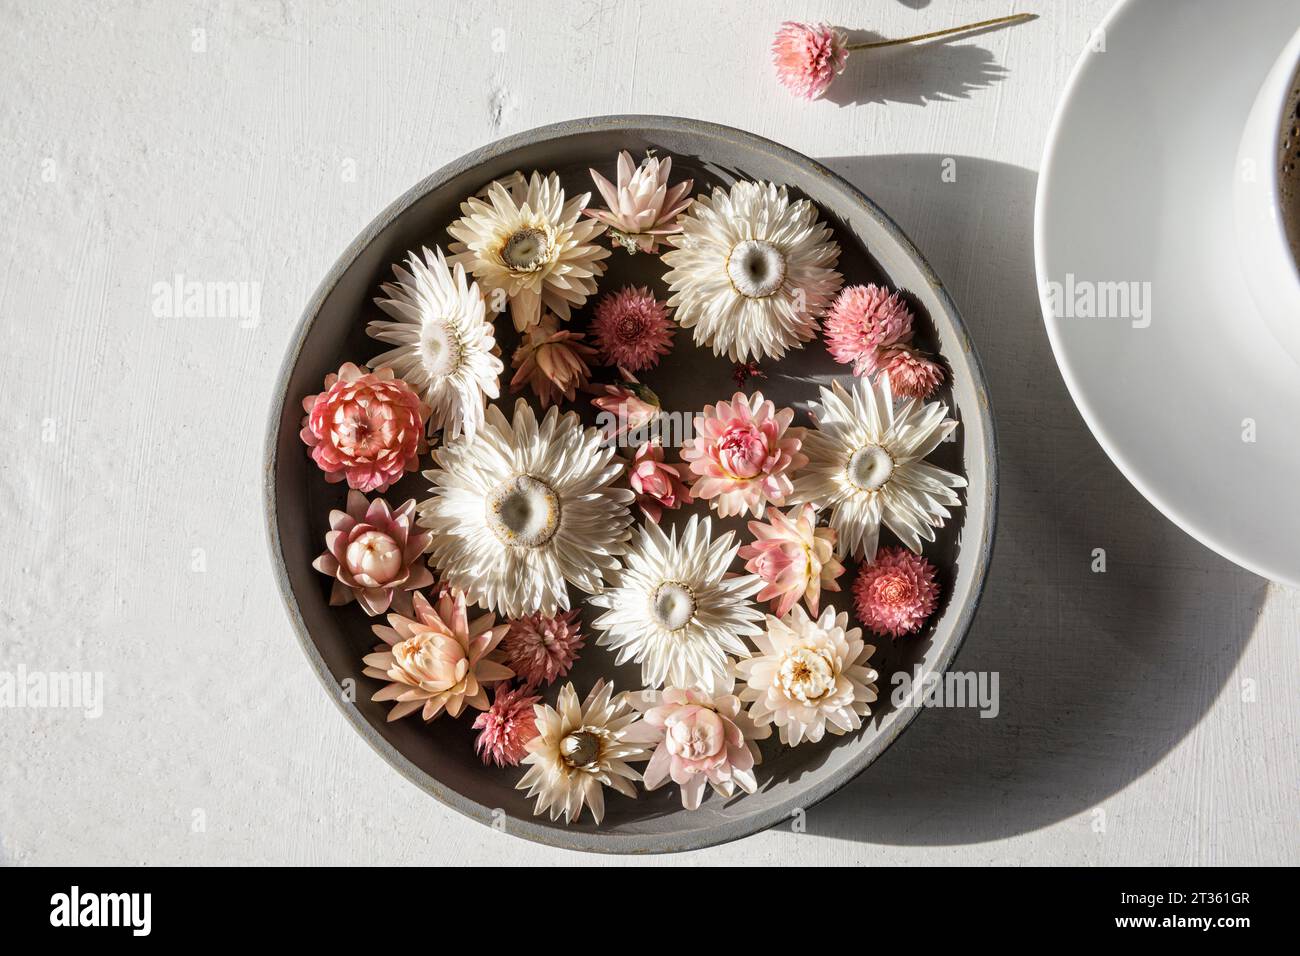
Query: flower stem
1014, 18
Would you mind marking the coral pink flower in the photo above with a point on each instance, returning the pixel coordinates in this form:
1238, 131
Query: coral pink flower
632, 329
367, 427
863, 320
437, 660
506, 727
808, 57
896, 592
541, 649
701, 739
911, 374
642, 207
624, 408
743, 452
794, 557
552, 362
657, 485
372, 553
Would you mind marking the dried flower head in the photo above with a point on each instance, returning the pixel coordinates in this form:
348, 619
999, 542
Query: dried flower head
541, 648
642, 207
794, 557
896, 593
657, 485
808, 57
372, 552
506, 727
632, 329
863, 321
911, 374
552, 362
624, 409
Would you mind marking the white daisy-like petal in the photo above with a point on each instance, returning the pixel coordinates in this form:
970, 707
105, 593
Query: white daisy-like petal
445, 349
524, 508
522, 239
865, 467
672, 610
751, 271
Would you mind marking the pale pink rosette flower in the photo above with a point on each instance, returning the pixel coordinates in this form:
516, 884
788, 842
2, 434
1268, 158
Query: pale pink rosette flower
366, 427
540, 649
552, 362
896, 593
808, 57
632, 329
373, 553
863, 321
642, 207
437, 660
794, 557
627, 407
743, 452
505, 728
911, 374
657, 485
699, 739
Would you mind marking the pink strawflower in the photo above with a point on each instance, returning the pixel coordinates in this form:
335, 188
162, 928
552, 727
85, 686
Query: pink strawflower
541, 649
808, 57
626, 407
657, 485
794, 557
743, 452
506, 727
373, 553
911, 374
632, 329
863, 320
895, 593
699, 740
642, 207
552, 362
366, 427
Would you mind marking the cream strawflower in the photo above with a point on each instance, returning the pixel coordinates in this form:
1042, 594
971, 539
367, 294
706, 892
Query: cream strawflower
674, 609
523, 508
864, 464
810, 676
531, 245
751, 271
445, 347
579, 750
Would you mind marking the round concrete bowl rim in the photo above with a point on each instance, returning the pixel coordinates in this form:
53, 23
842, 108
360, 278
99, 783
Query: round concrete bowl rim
597, 841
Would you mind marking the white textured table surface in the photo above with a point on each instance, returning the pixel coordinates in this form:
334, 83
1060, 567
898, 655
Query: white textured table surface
1148, 714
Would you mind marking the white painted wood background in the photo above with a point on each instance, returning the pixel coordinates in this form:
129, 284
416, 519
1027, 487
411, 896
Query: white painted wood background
1148, 714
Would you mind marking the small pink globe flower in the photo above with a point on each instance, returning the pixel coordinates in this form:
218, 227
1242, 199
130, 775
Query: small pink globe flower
808, 57
911, 374
744, 451
632, 329
366, 427
374, 553
541, 649
862, 321
505, 728
896, 593
657, 485
794, 557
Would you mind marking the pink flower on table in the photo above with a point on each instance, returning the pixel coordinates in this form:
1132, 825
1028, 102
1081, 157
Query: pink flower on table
541, 649
808, 57
657, 485
794, 557
895, 593
699, 740
911, 374
552, 362
626, 407
743, 452
632, 329
506, 727
643, 208
372, 552
366, 427
862, 322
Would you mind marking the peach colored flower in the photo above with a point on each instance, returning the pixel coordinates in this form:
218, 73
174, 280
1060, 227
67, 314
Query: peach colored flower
657, 485
911, 374
632, 329
895, 593
642, 207
372, 553
437, 660
540, 649
743, 452
366, 427
552, 362
794, 557
808, 57
506, 727
864, 320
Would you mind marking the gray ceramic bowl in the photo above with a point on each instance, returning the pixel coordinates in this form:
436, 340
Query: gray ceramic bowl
439, 757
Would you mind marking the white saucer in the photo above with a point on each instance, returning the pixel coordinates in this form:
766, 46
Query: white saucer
1136, 186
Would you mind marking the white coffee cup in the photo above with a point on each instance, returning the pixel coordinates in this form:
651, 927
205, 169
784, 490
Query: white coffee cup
1271, 271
